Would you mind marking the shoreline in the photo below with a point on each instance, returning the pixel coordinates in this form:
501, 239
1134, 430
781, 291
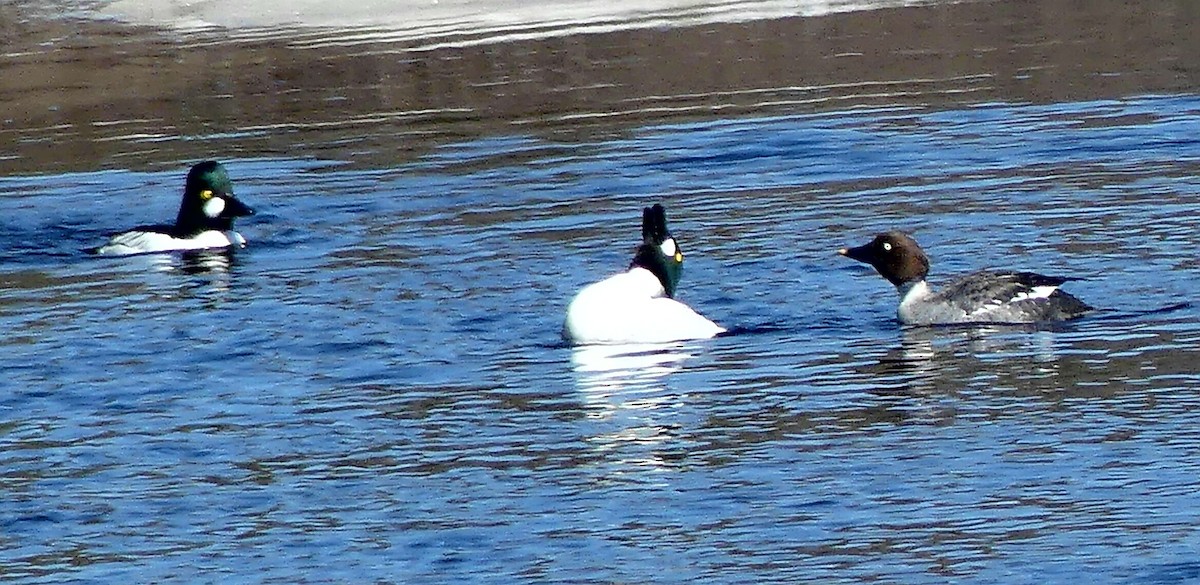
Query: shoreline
500, 20
89, 93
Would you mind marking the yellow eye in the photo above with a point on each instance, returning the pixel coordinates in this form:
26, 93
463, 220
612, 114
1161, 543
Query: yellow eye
678, 256
205, 195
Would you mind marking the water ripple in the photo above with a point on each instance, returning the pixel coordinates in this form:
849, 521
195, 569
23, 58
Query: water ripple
379, 380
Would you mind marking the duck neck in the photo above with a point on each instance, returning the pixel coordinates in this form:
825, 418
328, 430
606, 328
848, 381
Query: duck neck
649, 257
912, 290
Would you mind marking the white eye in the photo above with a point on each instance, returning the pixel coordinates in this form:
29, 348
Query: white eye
213, 207
887, 247
668, 247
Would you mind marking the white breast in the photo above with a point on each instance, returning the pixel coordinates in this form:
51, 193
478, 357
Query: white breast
914, 308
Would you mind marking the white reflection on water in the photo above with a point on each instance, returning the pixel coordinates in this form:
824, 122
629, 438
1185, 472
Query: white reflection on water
603, 370
926, 357
212, 266
624, 389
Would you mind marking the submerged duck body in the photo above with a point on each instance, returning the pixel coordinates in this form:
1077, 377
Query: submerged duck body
205, 219
638, 306
979, 297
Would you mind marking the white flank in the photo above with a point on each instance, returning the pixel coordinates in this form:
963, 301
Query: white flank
631, 308
130, 243
1037, 292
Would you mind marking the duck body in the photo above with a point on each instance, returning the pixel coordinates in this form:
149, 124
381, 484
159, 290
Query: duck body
638, 305
979, 297
990, 297
164, 238
632, 307
205, 219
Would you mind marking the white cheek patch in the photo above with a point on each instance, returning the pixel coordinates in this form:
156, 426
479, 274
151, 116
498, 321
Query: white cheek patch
213, 207
668, 247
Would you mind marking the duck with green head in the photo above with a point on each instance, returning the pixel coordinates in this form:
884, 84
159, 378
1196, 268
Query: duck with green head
639, 305
205, 219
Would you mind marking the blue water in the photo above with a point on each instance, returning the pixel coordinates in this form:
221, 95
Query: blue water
375, 389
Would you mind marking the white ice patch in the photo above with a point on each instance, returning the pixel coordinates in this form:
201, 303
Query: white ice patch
213, 207
668, 247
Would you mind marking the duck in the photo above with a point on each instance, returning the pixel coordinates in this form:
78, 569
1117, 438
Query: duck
205, 219
980, 297
639, 305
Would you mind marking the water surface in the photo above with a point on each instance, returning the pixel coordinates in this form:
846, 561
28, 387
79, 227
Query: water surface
375, 390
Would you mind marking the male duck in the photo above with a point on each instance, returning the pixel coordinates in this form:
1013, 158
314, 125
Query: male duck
205, 219
638, 306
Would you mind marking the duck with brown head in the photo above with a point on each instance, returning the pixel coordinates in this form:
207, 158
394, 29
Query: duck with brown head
979, 297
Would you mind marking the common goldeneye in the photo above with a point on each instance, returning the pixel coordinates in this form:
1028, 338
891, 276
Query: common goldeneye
980, 297
638, 306
205, 219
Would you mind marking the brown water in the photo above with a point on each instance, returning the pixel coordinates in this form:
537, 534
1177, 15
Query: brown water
83, 95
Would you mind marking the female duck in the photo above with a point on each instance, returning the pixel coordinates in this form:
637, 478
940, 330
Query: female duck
205, 219
638, 305
979, 297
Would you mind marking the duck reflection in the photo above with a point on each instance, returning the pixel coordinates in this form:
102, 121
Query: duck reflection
189, 262
217, 262
604, 369
937, 359
625, 391
211, 268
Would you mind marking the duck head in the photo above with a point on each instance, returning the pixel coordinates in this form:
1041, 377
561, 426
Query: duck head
895, 255
208, 200
659, 253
